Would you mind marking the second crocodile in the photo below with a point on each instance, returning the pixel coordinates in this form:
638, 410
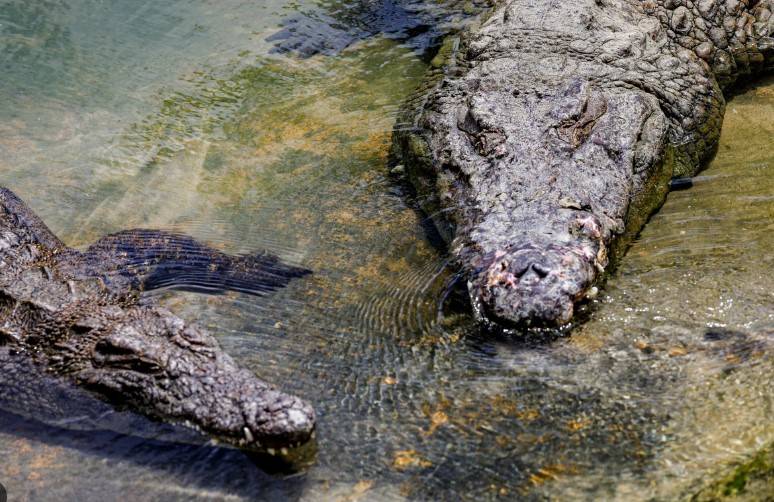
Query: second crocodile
78, 315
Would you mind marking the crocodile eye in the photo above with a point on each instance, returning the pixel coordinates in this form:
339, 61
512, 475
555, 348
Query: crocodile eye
119, 343
106, 348
116, 351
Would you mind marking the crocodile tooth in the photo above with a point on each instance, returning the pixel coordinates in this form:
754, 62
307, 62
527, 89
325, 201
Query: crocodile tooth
249, 435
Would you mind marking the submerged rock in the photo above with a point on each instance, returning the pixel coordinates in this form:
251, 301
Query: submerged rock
553, 129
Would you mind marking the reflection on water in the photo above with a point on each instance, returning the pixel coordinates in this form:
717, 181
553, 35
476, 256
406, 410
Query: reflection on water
176, 115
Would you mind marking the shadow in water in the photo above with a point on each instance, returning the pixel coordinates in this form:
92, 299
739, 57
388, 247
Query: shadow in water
207, 467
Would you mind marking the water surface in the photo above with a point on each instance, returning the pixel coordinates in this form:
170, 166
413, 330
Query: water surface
224, 121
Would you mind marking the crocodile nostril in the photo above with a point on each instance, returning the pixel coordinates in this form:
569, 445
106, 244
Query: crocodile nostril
534, 268
540, 270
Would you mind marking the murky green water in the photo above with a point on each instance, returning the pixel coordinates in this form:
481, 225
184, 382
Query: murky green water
186, 116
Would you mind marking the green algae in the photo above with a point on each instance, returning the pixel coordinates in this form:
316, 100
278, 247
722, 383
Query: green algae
750, 480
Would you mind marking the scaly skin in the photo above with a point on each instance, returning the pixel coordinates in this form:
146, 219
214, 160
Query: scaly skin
78, 316
554, 131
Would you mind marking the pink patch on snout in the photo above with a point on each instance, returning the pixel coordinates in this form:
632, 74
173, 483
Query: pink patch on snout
498, 275
589, 226
585, 253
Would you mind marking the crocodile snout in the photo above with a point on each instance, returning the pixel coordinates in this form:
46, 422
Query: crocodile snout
179, 374
529, 286
274, 419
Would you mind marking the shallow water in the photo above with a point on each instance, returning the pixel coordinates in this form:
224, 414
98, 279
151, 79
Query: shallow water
223, 121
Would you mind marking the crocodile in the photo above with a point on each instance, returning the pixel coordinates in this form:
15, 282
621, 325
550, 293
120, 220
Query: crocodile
80, 316
547, 134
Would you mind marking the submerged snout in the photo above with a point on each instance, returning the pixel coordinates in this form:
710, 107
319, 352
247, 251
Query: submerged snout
529, 286
274, 419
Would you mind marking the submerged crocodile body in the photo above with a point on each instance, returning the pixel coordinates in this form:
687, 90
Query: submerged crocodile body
334, 25
554, 128
78, 315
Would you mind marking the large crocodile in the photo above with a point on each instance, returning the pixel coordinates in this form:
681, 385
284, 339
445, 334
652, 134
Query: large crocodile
554, 128
78, 315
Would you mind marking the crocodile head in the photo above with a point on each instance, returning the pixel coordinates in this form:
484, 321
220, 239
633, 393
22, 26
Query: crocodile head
554, 179
526, 285
551, 133
132, 353
152, 362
